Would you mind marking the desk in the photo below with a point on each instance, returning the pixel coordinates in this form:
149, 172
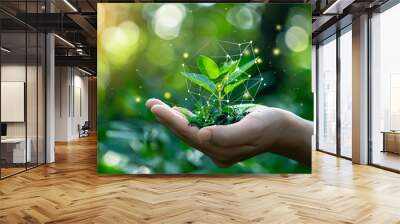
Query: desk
17, 150
391, 141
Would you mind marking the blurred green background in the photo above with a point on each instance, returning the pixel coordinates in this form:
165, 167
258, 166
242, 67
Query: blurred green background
141, 49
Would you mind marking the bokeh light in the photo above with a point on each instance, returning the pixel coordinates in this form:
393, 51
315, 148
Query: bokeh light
167, 20
276, 51
121, 41
297, 39
243, 17
167, 95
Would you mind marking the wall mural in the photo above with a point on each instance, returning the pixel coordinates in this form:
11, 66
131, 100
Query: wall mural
204, 88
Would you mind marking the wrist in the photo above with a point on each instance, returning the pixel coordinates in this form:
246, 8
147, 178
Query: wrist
294, 138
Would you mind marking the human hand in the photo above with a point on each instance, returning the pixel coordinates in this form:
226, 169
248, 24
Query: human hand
264, 129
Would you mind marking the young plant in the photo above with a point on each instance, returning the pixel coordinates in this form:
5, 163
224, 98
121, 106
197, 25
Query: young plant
219, 81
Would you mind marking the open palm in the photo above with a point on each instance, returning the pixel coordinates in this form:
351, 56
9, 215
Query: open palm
264, 129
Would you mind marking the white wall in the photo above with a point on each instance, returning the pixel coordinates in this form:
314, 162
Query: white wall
71, 94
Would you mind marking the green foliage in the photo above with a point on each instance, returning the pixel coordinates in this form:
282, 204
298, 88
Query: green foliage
208, 67
233, 76
208, 115
201, 80
219, 81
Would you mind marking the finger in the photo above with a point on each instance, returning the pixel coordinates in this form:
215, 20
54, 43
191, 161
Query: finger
176, 122
153, 101
227, 156
184, 111
244, 132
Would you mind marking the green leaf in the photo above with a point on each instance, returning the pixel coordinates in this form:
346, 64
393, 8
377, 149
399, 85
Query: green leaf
229, 88
234, 75
208, 67
201, 80
228, 67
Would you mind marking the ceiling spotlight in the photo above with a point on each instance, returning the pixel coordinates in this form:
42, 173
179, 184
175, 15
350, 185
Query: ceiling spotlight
70, 5
64, 40
5, 50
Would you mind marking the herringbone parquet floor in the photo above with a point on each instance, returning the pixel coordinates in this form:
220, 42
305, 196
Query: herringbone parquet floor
70, 191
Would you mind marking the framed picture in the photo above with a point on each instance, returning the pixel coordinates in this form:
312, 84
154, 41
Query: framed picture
200, 88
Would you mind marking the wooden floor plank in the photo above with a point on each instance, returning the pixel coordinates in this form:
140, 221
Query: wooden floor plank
70, 191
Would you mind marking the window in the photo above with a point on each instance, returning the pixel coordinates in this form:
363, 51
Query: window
326, 73
346, 92
385, 89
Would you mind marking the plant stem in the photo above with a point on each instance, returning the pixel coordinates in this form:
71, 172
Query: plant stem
220, 100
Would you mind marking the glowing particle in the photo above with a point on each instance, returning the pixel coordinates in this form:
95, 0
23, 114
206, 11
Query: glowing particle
278, 27
185, 55
186, 99
227, 101
188, 91
246, 52
259, 60
228, 56
249, 76
262, 79
138, 99
256, 50
167, 95
265, 84
251, 41
183, 65
246, 94
276, 51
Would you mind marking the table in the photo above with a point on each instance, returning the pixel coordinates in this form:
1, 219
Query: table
17, 150
391, 141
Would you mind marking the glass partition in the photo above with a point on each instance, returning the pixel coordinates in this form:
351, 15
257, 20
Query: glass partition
327, 95
14, 153
385, 89
23, 91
